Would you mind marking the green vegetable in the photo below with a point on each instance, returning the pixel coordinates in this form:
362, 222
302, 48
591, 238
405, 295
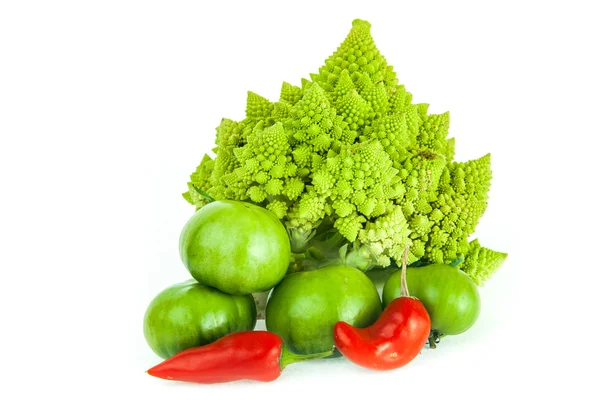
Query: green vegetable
190, 314
236, 247
305, 306
353, 168
449, 295
481, 263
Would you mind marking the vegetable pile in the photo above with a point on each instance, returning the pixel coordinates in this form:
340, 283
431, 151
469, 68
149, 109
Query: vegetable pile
304, 200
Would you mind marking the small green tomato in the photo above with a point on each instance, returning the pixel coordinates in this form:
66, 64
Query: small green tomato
190, 314
305, 306
236, 247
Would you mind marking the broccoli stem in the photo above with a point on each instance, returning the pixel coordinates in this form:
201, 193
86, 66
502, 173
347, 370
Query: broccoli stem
331, 248
300, 239
380, 275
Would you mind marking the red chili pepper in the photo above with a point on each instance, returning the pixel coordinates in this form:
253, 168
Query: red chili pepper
394, 339
255, 355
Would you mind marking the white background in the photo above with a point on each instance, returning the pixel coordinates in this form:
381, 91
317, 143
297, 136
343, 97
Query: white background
106, 108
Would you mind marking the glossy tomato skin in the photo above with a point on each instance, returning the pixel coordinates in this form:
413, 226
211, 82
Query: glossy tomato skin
190, 314
449, 295
304, 307
236, 247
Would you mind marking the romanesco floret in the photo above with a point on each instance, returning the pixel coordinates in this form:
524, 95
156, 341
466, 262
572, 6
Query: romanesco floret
257, 107
384, 238
481, 263
353, 168
462, 199
200, 182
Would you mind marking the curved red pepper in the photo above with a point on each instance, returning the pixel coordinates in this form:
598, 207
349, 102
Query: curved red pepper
254, 355
393, 340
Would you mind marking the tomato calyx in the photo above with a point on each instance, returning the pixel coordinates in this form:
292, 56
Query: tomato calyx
434, 338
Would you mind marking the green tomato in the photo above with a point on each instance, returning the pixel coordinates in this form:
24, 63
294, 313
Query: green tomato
305, 306
236, 247
449, 295
190, 314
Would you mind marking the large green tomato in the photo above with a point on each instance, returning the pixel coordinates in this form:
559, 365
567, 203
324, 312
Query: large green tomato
190, 314
236, 247
305, 306
449, 295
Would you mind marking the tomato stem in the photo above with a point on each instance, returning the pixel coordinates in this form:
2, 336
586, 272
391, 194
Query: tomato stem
432, 342
403, 285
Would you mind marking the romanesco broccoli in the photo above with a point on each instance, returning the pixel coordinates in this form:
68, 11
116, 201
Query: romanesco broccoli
353, 168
